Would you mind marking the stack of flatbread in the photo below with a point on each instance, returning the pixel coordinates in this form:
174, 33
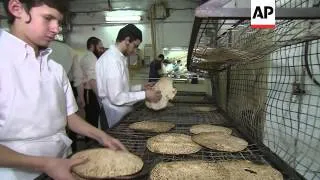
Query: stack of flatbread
231, 170
165, 85
105, 163
202, 128
152, 126
220, 141
172, 143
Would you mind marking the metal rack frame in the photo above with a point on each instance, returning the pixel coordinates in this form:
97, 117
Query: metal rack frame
184, 117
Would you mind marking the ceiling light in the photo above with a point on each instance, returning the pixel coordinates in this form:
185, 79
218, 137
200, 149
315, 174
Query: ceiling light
122, 18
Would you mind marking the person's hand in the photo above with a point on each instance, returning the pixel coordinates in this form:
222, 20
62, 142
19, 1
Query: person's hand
149, 85
110, 142
153, 95
60, 169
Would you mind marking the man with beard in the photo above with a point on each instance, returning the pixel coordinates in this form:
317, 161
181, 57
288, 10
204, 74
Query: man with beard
116, 95
88, 65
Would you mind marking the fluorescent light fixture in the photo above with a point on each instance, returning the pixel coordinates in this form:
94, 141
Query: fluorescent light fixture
176, 49
122, 18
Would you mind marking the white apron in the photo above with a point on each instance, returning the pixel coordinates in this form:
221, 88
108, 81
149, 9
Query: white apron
35, 125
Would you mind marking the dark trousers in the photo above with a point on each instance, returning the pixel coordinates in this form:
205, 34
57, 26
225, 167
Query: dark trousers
103, 120
92, 108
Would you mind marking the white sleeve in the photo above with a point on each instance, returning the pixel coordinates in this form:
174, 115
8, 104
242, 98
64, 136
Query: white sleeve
136, 87
71, 104
76, 71
91, 71
115, 86
89, 66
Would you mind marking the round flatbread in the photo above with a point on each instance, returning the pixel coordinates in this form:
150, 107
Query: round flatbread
172, 143
220, 142
250, 171
201, 128
152, 126
191, 170
204, 109
106, 163
165, 85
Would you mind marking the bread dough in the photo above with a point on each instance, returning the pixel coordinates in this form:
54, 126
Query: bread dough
220, 142
191, 170
172, 143
107, 163
152, 126
200, 128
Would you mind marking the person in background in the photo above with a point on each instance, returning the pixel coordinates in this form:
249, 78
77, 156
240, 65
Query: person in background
88, 64
65, 55
36, 99
167, 67
114, 91
155, 68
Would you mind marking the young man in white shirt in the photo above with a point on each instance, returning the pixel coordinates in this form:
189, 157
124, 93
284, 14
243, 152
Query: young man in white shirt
88, 64
36, 99
113, 77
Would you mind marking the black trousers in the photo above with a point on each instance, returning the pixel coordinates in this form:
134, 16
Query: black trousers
103, 120
92, 107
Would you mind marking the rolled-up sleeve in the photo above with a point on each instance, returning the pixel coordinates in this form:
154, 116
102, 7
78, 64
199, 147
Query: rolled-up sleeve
88, 65
91, 67
77, 71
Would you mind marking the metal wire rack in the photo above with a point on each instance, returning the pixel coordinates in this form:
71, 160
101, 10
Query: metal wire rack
268, 83
184, 117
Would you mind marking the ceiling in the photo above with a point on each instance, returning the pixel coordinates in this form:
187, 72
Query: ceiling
93, 5
83, 6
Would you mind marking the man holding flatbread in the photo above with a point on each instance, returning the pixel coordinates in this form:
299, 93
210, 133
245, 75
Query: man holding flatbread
116, 96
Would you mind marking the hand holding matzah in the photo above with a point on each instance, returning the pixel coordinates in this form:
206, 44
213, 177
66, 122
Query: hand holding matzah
153, 95
61, 168
165, 85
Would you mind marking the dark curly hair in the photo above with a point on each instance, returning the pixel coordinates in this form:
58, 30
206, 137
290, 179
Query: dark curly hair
60, 5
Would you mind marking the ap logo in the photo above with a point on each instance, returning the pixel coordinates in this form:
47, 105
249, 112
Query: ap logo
263, 14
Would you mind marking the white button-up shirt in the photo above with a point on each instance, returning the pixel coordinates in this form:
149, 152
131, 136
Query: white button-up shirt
88, 66
35, 100
113, 86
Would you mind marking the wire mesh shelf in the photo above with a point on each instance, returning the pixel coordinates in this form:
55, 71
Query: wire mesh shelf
268, 82
184, 117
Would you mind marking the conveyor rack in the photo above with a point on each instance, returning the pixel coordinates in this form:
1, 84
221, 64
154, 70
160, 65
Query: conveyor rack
136, 141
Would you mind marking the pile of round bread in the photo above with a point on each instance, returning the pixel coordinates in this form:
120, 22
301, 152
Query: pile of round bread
105, 163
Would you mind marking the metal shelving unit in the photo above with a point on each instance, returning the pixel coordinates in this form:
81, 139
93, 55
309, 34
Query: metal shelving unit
266, 81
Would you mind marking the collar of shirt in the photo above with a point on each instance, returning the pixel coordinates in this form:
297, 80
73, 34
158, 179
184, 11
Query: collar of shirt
115, 49
22, 49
